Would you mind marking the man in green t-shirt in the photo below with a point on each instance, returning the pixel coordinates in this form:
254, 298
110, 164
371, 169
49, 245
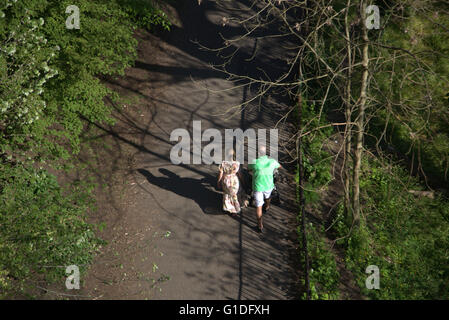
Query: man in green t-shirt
263, 182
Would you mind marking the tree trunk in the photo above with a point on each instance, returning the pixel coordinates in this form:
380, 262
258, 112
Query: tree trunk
360, 119
302, 203
302, 200
348, 112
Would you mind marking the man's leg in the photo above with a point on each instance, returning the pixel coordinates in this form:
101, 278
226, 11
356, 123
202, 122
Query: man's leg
259, 201
267, 204
259, 217
267, 199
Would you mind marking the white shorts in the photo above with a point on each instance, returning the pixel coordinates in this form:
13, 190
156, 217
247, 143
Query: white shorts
259, 197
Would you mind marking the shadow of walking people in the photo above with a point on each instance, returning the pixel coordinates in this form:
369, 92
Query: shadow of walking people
208, 200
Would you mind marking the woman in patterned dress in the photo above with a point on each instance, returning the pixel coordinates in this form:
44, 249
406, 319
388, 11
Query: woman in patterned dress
228, 177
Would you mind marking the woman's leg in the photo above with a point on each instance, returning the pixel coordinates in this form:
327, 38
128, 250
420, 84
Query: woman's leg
234, 194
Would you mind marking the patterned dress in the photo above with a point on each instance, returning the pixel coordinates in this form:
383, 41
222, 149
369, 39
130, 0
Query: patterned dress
231, 185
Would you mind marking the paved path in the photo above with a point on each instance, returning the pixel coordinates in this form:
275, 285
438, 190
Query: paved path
206, 254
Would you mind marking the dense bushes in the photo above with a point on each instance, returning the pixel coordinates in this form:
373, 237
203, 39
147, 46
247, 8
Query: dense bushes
42, 228
405, 236
411, 87
323, 274
144, 15
406, 119
48, 86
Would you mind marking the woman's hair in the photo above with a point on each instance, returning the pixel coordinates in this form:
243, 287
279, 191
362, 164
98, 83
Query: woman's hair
230, 155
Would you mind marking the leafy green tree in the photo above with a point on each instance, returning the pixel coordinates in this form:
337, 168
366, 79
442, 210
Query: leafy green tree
25, 62
49, 86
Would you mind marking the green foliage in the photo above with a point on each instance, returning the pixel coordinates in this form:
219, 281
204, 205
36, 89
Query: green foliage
146, 14
49, 87
407, 112
341, 225
55, 107
316, 161
405, 236
42, 228
412, 84
323, 275
25, 58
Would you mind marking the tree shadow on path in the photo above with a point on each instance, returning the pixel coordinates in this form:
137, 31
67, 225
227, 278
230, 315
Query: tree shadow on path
195, 189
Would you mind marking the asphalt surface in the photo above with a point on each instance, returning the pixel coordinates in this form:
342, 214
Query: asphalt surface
175, 209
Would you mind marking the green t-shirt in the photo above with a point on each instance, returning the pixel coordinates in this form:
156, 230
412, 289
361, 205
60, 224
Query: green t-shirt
263, 169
